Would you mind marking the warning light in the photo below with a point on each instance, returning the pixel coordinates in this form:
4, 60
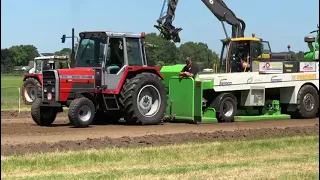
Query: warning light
253, 34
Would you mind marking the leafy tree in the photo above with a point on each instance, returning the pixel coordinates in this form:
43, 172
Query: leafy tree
22, 54
300, 55
161, 52
63, 52
200, 53
6, 61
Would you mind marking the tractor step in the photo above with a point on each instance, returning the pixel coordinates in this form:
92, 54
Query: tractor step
111, 102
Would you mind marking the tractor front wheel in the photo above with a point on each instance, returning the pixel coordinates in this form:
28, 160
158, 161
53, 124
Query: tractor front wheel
42, 116
81, 112
31, 89
144, 99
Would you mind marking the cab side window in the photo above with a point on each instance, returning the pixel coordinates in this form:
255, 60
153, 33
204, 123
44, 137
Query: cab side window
134, 52
257, 49
265, 47
115, 54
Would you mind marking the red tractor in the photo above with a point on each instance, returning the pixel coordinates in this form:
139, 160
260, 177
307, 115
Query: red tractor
32, 82
110, 80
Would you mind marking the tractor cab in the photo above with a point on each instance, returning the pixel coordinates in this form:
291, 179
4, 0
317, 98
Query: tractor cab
238, 53
48, 63
111, 51
244, 54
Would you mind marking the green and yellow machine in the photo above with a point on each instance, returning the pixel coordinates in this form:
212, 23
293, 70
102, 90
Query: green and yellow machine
270, 86
313, 44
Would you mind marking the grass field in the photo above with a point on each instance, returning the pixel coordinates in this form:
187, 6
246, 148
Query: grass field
274, 158
11, 81
10, 93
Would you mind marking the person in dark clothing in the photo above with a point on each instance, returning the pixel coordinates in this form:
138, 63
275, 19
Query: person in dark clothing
190, 70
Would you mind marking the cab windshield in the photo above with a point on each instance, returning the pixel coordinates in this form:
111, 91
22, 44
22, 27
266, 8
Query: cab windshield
90, 52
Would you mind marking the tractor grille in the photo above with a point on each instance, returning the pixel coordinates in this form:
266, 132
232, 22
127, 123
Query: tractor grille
49, 83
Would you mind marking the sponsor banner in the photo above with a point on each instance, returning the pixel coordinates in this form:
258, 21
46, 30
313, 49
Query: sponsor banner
307, 66
270, 67
304, 77
290, 67
225, 82
275, 79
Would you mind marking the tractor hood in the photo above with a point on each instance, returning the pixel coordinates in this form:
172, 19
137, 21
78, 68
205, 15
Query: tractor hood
76, 73
75, 80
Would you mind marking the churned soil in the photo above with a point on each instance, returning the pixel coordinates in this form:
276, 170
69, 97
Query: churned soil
20, 135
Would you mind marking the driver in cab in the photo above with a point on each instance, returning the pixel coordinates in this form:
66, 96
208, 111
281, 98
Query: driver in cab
189, 70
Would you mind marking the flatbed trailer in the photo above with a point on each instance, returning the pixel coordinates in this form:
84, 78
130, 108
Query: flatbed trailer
241, 96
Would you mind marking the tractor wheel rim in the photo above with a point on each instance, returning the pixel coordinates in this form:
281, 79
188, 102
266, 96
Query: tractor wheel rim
30, 93
227, 108
84, 113
148, 100
308, 102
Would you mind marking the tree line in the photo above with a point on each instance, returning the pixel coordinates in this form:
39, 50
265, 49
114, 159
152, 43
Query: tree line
159, 52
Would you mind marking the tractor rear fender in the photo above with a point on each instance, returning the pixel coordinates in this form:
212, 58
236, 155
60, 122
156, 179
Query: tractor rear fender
38, 77
134, 70
130, 72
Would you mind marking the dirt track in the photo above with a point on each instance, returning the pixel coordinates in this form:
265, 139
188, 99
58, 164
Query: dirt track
20, 135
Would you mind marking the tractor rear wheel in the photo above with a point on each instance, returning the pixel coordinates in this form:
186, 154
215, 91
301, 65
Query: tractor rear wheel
81, 112
31, 89
42, 116
144, 99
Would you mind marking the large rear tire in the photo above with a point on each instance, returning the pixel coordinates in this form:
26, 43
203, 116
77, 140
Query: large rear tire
144, 99
308, 103
42, 116
81, 112
31, 90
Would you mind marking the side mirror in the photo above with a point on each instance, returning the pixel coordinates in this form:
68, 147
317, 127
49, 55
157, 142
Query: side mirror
63, 38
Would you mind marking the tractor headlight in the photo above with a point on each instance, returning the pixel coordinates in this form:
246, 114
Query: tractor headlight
44, 89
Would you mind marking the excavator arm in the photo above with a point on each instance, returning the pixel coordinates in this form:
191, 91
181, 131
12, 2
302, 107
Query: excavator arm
217, 7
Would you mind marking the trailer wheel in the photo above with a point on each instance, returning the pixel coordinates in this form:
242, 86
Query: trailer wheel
308, 102
81, 112
226, 107
30, 90
42, 116
144, 99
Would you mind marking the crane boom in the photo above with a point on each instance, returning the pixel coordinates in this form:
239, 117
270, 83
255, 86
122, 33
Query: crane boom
217, 7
